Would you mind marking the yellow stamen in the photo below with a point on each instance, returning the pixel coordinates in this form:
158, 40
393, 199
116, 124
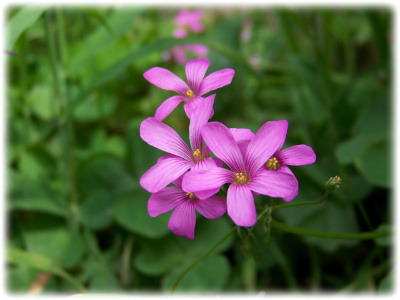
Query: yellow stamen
240, 179
198, 156
189, 93
191, 196
272, 164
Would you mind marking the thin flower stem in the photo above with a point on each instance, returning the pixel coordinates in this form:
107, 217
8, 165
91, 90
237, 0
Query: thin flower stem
327, 192
330, 235
201, 258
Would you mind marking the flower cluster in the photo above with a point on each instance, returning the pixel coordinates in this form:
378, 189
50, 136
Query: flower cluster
255, 163
187, 21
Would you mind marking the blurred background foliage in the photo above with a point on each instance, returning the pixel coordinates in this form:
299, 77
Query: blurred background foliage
76, 97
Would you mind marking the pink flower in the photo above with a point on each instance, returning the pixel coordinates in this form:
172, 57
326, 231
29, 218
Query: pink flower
188, 21
247, 174
180, 158
178, 53
190, 94
297, 155
183, 218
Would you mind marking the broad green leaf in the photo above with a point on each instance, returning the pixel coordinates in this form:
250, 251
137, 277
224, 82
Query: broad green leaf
374, 119
37, 164
50, 238
207, 234
348, 150
20, 278
41, 101
20, 22
94, 108
386, 285
130, 210
103, 280
26, 194
374, 163
211, 274
104, 172
158, 256
96, 210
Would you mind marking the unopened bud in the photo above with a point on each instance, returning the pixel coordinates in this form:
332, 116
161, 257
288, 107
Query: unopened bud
333, 183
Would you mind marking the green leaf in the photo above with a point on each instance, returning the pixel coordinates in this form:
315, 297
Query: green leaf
26, 194
347, 151
130, 210
96, 210
41, 101
158, 256
94, 108
20, 22
37, 164
50, 238
20, 278
374, 163
106, 173
103, 280
386, 284
211, 274
162, 255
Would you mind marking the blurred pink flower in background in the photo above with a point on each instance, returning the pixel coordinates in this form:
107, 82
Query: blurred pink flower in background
187, 21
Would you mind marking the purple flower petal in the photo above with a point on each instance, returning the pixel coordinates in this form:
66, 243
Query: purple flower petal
162, 174
242, 134
163, 137
163, 157
216, 80
191, 106
267, 141
204, 164
167, 107
206, 194
202, 180
295, 192
198, 118
211, 208
166, 80
221, 142
273, 183
240, 204
195, 71
183, 220
297, 155
218, 162
165, 200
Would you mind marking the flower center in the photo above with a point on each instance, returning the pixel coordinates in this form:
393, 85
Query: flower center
198, 156
241, 179
190, 95
192, 196
272, 164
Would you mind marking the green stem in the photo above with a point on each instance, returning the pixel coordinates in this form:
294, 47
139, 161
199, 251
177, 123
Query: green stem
330, 235
201, 258
327, 192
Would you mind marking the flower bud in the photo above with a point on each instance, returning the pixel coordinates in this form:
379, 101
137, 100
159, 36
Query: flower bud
333, 183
